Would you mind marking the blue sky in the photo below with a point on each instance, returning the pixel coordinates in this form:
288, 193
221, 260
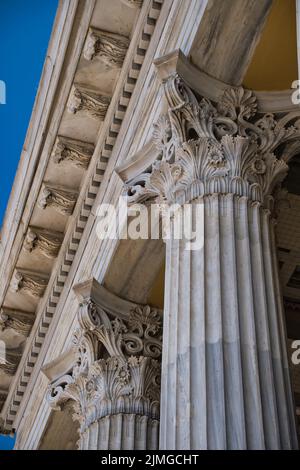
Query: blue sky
25, 28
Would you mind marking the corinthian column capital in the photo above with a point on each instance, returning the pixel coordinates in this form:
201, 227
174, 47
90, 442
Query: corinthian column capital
116, 362
224, 146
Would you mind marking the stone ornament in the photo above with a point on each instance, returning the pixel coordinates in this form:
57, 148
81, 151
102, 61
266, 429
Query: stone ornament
12, 358
85, 99
74, 151
29, 283
117, 367
207, 148
110, 48
48, 243
62, 200
22, 324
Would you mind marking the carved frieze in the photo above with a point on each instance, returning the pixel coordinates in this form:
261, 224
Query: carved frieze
110, 48
117, 366
30, 283
47, 242
85, 99
74, 151
60, 199
206, 148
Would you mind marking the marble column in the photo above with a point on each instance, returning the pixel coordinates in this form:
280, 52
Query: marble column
225, 378
114, 384
225, 383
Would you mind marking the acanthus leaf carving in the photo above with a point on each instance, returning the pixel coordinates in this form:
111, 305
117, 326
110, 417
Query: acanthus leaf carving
91, 101
9, 363
30, 283
74, 151
47, 242
109, 47
127, 380
162, 137
20, 322
144, 332
206, 148
62, 200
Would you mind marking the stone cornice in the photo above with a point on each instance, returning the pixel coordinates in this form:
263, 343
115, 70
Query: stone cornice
62, 29
132, 66
61, 62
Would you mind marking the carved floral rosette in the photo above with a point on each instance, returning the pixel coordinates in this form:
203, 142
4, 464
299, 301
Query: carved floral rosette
206, 148
117, 367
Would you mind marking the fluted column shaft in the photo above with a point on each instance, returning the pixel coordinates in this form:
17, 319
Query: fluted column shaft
225, 379
121, 432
